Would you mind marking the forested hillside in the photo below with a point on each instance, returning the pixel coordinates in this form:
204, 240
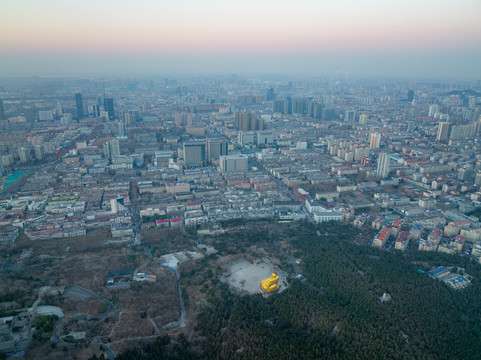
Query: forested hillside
336, 313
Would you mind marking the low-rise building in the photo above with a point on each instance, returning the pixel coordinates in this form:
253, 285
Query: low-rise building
314, 206
324, 216
381, 238
402, 241
454, 228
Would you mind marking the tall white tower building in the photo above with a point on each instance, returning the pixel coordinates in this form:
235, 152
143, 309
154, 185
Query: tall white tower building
383, 165
375, 140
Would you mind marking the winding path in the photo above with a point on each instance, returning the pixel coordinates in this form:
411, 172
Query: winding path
55, 337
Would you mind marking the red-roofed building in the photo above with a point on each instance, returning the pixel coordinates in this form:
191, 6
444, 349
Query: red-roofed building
176, 222
382, 237
162, 223
402, 241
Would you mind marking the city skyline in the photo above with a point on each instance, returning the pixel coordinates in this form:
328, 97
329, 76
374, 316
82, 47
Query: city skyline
159, 206
431, 39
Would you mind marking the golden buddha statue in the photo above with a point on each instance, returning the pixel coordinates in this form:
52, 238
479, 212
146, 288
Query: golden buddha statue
271, 283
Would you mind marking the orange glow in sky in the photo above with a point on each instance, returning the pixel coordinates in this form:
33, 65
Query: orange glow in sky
230, 27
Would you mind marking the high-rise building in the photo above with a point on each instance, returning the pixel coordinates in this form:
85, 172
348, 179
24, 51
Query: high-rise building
217, 147
114, 148
264, 138
465, 173
126, 117
117, 205
350, 116
270, 94
109, 107
59, 108
190, 120
246, 138
195, 153
87, 110
333, 149
180, 119
95, 110
477, 126
111, 149
29, 112
247, 121
328, 114
349, 156
39, 152
7, 160
244, 120
106, 149
45, 115
2, 111
288, 107
374, 140
247, 99
24, 154
477, 179
362, 119
360, 152
79, 103
278, 106
341, 152
383, 165
230, 163
433, 110
314, 109
469, 131
299, 107
66, 118
121, 129
443, 131
411, 126
162, 157
456, 132
410, 96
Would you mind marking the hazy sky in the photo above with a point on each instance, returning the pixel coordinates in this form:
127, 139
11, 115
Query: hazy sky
428, 38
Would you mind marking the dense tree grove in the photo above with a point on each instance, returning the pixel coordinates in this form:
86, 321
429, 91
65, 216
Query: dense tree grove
44, 325
336, 313
160, 349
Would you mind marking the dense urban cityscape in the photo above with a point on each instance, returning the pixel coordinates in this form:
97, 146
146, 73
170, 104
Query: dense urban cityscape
119, 162
193, 152
240, 180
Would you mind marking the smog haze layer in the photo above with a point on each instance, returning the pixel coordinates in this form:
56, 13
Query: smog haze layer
428, 39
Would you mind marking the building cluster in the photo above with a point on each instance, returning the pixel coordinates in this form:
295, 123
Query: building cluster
451, 277
404, 159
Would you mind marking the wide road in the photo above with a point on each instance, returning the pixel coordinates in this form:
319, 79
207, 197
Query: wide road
134, 202
182, 321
